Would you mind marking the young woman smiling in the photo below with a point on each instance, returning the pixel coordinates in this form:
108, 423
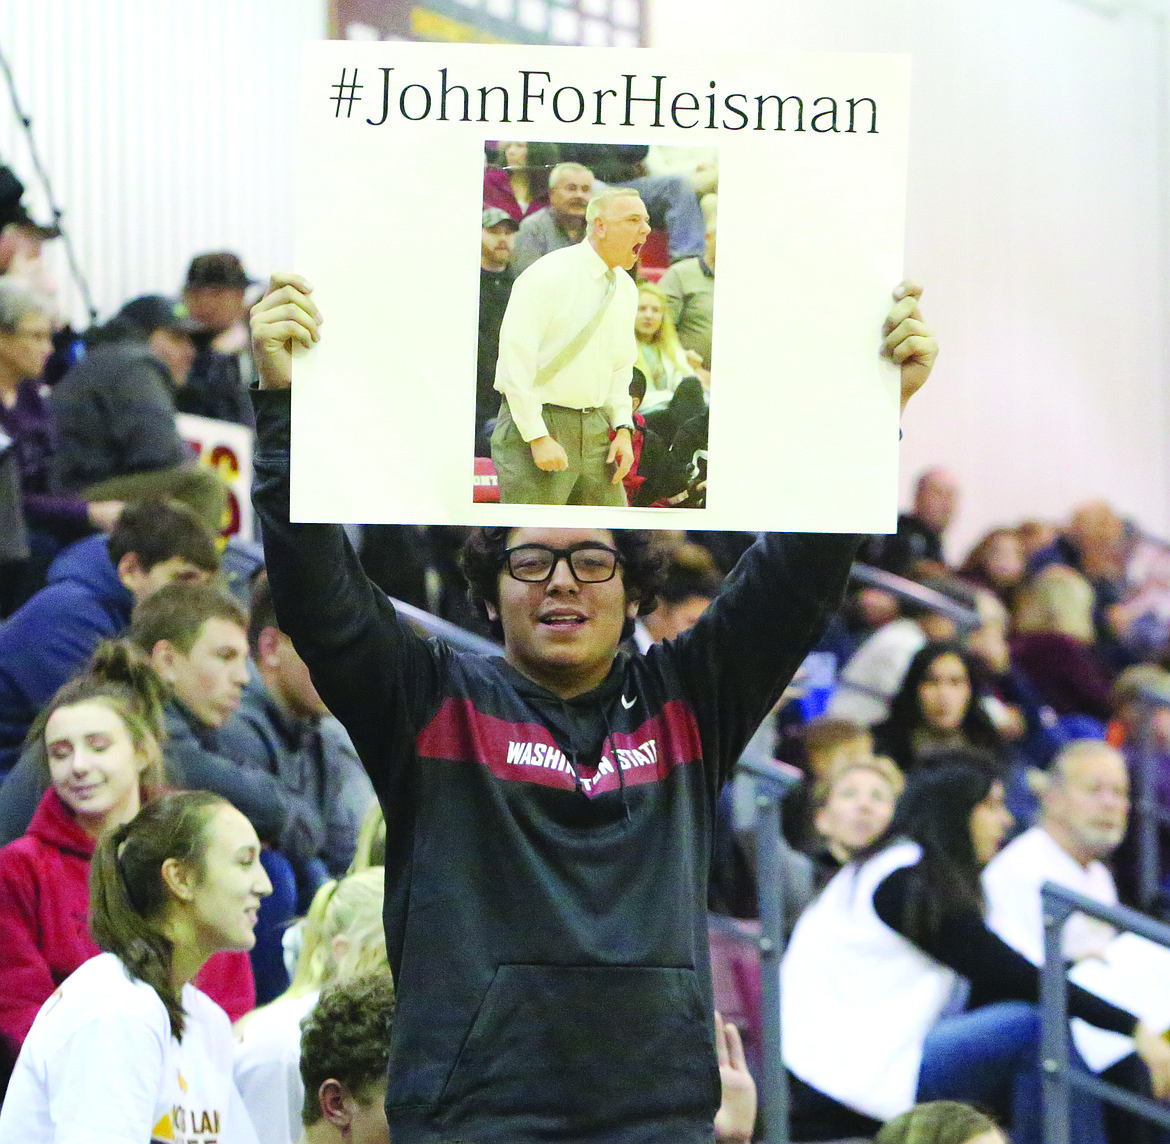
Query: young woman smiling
100, 740
127, 1042
661, 356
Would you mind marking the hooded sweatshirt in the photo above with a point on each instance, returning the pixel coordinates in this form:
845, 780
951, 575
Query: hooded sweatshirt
546, 858
45, 641
44, 923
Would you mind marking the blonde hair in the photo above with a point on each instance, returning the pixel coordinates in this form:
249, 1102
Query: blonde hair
1057, 600
828, 732
938, 1122
666, 339
371, 841
885, 768
351, 908
1130, 684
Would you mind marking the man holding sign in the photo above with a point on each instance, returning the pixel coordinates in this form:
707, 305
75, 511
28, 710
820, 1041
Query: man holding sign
549, 813
566, 350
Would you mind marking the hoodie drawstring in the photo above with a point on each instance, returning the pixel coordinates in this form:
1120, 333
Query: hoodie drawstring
616, 762
613, 749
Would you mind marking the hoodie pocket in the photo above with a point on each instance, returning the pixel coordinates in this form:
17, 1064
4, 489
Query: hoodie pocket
594, 1045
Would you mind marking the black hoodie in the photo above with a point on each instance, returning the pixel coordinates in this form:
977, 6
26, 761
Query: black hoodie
546, 863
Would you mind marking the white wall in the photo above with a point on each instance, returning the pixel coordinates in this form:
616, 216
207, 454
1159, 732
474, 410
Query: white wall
161, 127
1037, 207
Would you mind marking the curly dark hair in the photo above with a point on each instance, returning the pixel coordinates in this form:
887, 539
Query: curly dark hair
482, 558
347, 1038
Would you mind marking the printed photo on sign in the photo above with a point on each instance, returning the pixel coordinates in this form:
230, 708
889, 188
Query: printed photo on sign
565, 358
419, 407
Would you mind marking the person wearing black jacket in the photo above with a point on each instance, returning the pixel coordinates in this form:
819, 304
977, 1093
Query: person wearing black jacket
549, 812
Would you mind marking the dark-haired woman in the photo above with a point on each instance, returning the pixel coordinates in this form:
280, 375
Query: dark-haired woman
874, 961
99, 737
997, 563
127, 1048
938, 707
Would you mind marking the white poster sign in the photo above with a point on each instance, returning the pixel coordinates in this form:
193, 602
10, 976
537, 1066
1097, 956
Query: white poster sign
801, 419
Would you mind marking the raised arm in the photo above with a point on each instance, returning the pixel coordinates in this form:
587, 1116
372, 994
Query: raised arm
997, 972
284, 317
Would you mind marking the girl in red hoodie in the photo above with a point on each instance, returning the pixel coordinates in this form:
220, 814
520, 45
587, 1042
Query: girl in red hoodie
100, 734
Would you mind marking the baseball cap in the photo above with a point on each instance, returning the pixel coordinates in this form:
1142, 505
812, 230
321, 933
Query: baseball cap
493, 216
221, 268
152, 312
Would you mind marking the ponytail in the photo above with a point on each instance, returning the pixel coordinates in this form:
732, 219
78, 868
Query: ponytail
128, 896
120, 661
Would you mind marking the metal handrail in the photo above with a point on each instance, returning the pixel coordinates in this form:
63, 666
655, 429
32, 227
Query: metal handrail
1059, 1076
772, 781
965, 619
432, 625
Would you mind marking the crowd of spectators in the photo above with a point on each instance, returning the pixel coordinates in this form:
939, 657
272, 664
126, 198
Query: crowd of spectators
1049, 667
129, 673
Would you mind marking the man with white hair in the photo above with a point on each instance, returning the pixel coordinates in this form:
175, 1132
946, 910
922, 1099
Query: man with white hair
1084, 810
567, 349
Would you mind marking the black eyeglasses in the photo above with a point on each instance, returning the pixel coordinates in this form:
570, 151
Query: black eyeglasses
535, 563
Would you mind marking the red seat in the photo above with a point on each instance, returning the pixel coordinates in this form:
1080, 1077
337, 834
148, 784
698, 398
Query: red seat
656, 251
735, 977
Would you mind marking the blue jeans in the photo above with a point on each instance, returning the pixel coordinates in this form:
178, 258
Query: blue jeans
989, 1057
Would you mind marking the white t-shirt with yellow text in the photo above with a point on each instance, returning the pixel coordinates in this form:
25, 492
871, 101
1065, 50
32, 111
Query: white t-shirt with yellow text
99, 1065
